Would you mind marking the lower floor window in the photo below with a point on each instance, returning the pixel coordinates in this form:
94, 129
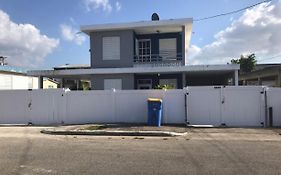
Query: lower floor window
169, 82
110, 84
144, 84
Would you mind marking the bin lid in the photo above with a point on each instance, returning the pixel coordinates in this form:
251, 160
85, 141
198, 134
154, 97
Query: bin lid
155, 99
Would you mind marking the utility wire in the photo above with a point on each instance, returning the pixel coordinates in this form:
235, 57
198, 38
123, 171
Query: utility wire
232, 12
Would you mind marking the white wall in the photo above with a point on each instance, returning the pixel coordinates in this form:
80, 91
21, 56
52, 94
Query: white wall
5, 81
56, 106
11, 81
13, 107
234, 106
129, 106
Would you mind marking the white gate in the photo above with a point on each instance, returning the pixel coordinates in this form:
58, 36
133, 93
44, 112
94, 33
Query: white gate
274, 102
231, 106
45, 106
204, 105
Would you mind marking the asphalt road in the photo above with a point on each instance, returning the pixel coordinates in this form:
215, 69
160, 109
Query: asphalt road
23, 150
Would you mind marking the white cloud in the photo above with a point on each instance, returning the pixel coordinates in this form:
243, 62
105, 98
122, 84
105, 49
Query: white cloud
105, 5
72, 20
70, 34
23, 44
118, 6
256, 31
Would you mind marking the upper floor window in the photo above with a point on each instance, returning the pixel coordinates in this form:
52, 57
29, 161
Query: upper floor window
111, 48
144, 50
168, 49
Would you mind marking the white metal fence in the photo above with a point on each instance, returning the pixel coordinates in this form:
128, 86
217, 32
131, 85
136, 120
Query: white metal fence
274, 101
232, 106
78, 107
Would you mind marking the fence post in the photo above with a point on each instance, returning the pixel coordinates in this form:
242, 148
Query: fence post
223, 98
186, 93
264, 93
114, 105
270, 116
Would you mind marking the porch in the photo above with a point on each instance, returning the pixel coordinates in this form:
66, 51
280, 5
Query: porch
132, 78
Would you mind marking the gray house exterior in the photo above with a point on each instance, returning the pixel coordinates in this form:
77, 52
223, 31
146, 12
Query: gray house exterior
143, 55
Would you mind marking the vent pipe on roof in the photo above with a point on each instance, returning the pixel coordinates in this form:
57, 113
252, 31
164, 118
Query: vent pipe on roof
155, 17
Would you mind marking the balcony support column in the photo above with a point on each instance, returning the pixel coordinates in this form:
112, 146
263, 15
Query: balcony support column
236, 78
183, 80
183, 46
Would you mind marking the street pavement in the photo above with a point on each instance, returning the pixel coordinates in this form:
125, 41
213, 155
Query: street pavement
24, 150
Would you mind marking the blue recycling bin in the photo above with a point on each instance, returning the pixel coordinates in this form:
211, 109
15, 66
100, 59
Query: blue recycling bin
154, 111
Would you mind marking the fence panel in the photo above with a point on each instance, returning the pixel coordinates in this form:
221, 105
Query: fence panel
234, 106
174, 106
131, 105
243, 106
204, 105
13, 107
274, 101
45, 106
89, 106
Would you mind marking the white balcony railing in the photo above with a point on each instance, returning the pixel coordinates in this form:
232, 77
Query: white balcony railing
163, 59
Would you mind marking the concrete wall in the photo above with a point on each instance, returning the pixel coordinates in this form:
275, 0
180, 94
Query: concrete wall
126, 49
97, 82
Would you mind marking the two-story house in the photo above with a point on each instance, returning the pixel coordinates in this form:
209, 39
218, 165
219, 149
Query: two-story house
143, 55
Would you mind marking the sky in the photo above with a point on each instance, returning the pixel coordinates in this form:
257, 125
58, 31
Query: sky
40, 34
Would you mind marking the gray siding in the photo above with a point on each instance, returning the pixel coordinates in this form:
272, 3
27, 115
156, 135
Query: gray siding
97, 81
126, 49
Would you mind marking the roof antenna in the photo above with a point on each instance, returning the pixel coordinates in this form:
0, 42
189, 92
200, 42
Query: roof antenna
2, 61
155, 17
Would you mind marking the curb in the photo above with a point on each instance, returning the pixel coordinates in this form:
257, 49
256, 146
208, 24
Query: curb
114, 133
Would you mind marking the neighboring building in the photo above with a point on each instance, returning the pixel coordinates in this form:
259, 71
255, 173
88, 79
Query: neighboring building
16, 78
50, 84
142, 55
264, 74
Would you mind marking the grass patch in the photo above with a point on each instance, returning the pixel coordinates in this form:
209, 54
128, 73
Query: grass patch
94, 127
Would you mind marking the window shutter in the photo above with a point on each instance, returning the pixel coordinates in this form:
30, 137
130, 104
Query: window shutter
168, 48
112, 84
111, 48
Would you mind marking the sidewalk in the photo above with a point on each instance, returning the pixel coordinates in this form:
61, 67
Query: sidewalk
119, 130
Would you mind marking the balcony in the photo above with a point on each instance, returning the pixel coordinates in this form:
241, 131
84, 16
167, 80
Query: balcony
158, 60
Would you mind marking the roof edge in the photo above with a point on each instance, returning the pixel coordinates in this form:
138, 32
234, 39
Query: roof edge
132, 25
